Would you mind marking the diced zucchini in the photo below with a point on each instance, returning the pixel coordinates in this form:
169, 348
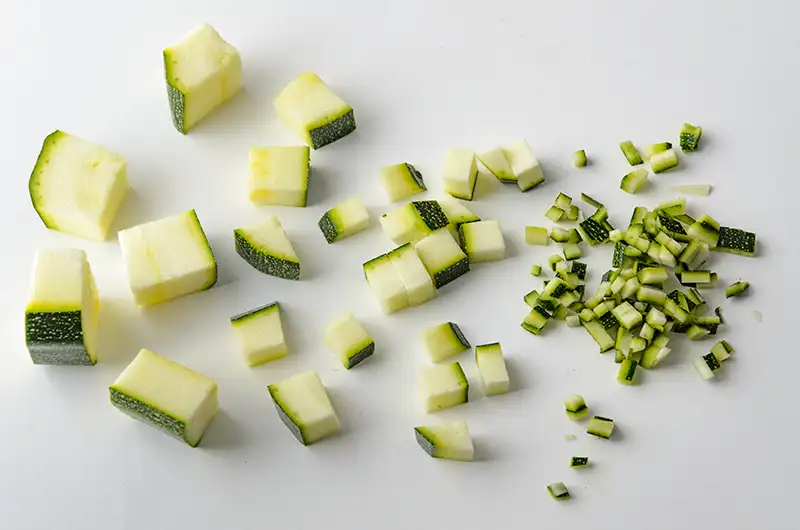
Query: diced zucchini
260, 334
385, 283
443, 258
630, 152
576, 407
671, 309
61, 316
163, 394
554, 213
651, 295
573, 321
531, 298
653, 275
706, 365
563, 201
698, 190
202, 71
450, 441
634, 181
586, 315
627, 371
443, 386
690, 136
577, 462
601, 427
457, 213
656, 352
348, 218
722, 350
646, 332
401, 181
558, 491
279, 175
414, 221
443, 341
736, 241
673, 208
627, 315
559, 235
536, 235
696, 332
599, 334
579, 269
313, 111
167, 258
498, 165
536, 320
579, 158
616, 236
695, 277
663, 161
483, 241
267, 249
536, 269
349, 340
595, 232
460, 173
706, 230
492, 367
654, 149
571, 251
571, 214
304, 407
413, 275
524, 165
591, 202
656, 319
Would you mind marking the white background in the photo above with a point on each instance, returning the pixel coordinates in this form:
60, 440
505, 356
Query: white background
422, 76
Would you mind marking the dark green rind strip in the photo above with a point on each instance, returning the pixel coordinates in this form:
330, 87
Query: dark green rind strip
293, 427
736, 241
417, 176
431, 214
454, 271
177, 101
213, 281
280, 268
56, 338
150, 415
459, 334
329, 228
425, 443
330, 132
594, 231
361, 355
254, 312
34, 182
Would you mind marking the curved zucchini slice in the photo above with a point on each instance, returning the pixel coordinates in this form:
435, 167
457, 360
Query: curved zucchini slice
450, 441
267, 249
304, 407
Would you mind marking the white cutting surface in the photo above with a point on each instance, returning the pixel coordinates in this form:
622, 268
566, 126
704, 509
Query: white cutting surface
422, 76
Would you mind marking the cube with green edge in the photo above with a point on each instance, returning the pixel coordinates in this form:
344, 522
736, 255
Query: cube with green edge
61, 316
690, 137
601, 427
524, 165
413, 221
416, 281
558, 491
166, 395
443, 341
259, 333
348, 340
483, 241
310, 108
498, 165
443, 386
167, 258
576, 407
401, 181
266, 247
449, 441
460, 173
203, 71
304, 407
492, 367
279, 176
536, 235
344, 220
634, 181
443, 258
386, 284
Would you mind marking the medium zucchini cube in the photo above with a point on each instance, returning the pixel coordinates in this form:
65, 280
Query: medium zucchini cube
524, 165
61, 318
314, 112
415, 278
443, 386
260, 334
443, 258
168, 258
267, 249
413, 221
401, 181
443, 341
460, 173
203, 71
483, 241
279, 175
349, 340
450, 441
457, 213
497, 163
492, 367
304, 407
163, 394
344, 220
386, 284
77, 187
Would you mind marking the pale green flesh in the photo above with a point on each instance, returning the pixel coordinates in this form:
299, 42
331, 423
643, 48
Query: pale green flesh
303, 405
443, 386
443, 341
451, 441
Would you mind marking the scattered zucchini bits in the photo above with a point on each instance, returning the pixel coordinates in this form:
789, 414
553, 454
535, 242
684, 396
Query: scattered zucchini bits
61, 318
349, 340
314, 112
443, 386
492, 367
267, 249
483, 241
163, 394
167, 258
460, 173
443, 341
344, 220
202, 71
279, 175
401, 181
304, 407
77, 187
260, 334
449, 441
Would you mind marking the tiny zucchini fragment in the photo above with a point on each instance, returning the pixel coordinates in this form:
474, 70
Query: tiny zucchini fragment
578, 461
630, 152
558, 491
698, 190
663, 161
536, 269
634, 181
601, 427
690, 136
536, 235
627, 371
554, 213
579, 158
576, 407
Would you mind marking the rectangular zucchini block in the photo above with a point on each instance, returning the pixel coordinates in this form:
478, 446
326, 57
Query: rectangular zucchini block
267, 248
415, 278
349, 340
203, 71
524, 165
260, 334
314, 112
279, 175
344, 220
61, 318
77, 187
457, 213
450, 441
168, 258
166, 395
386, 284
443, 341
304, 407
413, 221
492, 367
460, 173
443, 258
483, 241
401, 181
443, 386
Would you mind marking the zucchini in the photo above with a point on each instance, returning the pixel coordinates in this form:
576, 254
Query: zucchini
401, 181
348, 340
531, 298
536, 235
163, 394
689, 137
443, 386
586, 315
571, 214
266, 248
601, 427
579, 158
442, 257
706, 365
279, 175
413, 221
524, 165
260, 334
456, 212
61, 316
443, 341
483, 241
578, 462
413, 275
663, 161
627, 371
497, 163
449, 441
656, 319
576, 407
654, 149
571, 251
694, 278
536, 320
536, 269
579, 269
202, 71
595, 232
736, 288
343, 220
630, 152
554, 213
77, 187
651, 295
167, 258
698, 190
706, 230
553, 261
653, 275
573, 321
563, 201
492, 367
591, 202
672, 208
310, 108
599, 334
460, 173
656, 352
627, 315
722, 350
736, 241
560, 235
385, 283
696, 332
558, 491
634, 181
304, 407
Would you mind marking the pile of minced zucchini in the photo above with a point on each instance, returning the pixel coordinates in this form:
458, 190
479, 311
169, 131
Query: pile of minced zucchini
654, 288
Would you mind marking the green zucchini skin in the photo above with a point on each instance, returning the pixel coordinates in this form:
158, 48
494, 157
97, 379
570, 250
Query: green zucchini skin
149, 415
280, 268
335, 130
56, 338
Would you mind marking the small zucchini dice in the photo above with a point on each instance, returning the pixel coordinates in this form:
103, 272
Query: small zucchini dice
497, 163
456, 212
576, 407
203, 71
483, 241
77, 187
279, 175
558, 491
417, 282
492, 367
460, 173
344, 220
314, 112
736, 241
631, 153
524, 165
634, 181
413, 221
663, 161
304, 407
536, 320
689, 137
706, 366
443, 386
536, 235
166, 395
386, 284
260, 334
601, 427
349, 340
443, 341
450, 441
579, 158
578, 462
627, 371
267, 249
443, 258
168, 258
401, 181
61, 317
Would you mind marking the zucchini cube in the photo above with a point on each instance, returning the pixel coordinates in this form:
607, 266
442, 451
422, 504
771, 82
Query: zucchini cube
260, 334
349, 340
524, 165
413, 221
492, 367
450, 441
443, 386
267, 248
497, 163
304, 407
413, 275
443, 341
386, 284
401, 181
279, 175
443, 258
344, 220
460, 173
483, 241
